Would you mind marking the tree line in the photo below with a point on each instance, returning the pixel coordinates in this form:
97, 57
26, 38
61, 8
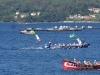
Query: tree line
51, 10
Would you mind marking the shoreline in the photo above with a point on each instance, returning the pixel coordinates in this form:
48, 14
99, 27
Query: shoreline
54, 22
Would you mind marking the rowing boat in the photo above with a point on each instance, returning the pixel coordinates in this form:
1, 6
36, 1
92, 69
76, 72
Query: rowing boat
70, 65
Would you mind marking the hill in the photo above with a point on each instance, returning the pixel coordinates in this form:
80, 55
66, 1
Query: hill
49, 10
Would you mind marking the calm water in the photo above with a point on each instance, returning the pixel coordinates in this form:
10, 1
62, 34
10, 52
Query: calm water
21, 54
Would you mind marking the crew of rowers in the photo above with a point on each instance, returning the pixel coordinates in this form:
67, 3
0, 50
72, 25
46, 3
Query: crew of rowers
87, 62
65, 45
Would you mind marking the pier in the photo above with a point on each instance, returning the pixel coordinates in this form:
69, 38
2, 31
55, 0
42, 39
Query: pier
66, 28
61, 28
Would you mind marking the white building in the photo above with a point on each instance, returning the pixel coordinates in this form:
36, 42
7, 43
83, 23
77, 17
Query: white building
23, 15
17, 13
33, 14
38, 13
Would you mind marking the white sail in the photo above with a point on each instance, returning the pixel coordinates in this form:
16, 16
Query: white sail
79, 41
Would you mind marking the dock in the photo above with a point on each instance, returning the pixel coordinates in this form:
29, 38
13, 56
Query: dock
61, 28
66, 28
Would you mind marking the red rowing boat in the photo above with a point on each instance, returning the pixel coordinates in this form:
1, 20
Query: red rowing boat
70, 65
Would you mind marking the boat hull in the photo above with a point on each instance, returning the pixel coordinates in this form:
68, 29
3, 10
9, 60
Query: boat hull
68, 65
66, 46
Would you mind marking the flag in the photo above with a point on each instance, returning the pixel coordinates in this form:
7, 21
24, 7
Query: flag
72, 35
37, 37
79, 41
32, 32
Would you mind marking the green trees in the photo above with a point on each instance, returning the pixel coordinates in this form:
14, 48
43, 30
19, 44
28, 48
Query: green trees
51, 10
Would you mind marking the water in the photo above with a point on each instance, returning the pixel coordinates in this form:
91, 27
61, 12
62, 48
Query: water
21, 54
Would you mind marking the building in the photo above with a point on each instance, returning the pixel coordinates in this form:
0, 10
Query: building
86, 17
33, 14
17, 13
95, 10
38, 13
92, 16
23, 15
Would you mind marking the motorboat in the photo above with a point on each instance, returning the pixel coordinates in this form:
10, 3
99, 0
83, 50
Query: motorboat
27, 31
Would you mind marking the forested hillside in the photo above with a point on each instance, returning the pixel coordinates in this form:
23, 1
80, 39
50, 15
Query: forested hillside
50, 10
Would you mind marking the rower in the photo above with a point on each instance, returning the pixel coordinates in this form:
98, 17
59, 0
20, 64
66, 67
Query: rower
87, 63
77, 63
96, 62
75, 60
49, 45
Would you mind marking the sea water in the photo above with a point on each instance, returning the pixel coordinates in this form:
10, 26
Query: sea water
22, 54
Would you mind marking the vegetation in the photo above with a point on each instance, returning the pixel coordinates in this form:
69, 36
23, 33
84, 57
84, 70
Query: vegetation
51, 10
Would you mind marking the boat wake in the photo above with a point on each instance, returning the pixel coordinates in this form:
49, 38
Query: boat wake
31, 48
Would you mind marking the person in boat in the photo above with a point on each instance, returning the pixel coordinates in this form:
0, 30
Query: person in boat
87, 63
75, 60
63, 45
96, 62
77, 63
86, 44
59, 44
74, 44
49, 45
